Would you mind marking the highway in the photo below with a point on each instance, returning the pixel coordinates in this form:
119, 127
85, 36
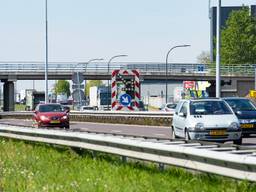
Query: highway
119, 129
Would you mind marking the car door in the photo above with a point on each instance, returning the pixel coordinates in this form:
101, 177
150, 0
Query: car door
175, 115
181, 118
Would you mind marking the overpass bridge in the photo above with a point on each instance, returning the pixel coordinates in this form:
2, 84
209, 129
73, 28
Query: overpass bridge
153, 71
240, 77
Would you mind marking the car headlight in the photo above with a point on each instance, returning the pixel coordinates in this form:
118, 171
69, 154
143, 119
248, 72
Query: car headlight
44, 118
65, 117
234, 125
199, 126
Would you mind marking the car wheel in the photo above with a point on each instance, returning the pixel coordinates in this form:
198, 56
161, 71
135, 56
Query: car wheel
238, 142
187, 137
173, 133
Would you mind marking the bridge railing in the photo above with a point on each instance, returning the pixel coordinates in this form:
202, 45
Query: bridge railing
145, 68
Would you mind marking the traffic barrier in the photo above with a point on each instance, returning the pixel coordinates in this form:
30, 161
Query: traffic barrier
226, 161
120, 117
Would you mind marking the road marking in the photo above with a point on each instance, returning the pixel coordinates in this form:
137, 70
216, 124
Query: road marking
116, 131
159, 134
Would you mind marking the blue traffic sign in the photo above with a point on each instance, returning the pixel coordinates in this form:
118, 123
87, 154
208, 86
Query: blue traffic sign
125, 99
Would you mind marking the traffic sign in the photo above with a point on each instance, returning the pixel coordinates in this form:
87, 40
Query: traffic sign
189, 84
253, 93
200, 68
78, 95
125, 99
77, 78
78, 86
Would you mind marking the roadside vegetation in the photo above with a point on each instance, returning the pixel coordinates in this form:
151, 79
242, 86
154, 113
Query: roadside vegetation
36, 167
19, 107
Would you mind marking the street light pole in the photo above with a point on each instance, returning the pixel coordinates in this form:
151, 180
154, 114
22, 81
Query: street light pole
77, 74
108, 73
91, 60
46, 54
87, 63
218, 91
166, 69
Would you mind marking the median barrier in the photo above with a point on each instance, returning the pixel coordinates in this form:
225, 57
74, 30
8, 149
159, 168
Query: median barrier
137, 118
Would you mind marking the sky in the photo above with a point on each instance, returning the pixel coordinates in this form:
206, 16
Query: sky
79, 30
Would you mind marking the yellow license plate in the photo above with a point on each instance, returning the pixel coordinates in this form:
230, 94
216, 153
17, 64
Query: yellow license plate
55, 121
246, 126
217, 132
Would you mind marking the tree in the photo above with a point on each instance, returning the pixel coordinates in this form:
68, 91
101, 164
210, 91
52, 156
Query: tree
62, 87
204, 57
238, 44
92, 83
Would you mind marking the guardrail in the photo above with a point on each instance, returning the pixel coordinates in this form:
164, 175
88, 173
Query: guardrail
140, 118
211, 158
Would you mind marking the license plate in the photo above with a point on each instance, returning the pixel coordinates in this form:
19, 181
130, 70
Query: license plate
246, 126
217, 132
55, 121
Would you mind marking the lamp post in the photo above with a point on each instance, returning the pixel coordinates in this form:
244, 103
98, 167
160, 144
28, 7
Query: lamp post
77, 76
46, 54
166, 69
108, 73
87, 63
218, 44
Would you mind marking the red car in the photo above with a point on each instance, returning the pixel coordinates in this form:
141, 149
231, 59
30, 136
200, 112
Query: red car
51, 115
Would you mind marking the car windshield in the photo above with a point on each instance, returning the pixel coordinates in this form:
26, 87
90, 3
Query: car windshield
209, 108
241, 104
50, 108
171, 106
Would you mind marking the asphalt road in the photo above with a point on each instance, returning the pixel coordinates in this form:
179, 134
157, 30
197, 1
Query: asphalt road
137, 130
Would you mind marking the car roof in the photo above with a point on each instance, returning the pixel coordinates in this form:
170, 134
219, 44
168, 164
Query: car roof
203, 99
234, 98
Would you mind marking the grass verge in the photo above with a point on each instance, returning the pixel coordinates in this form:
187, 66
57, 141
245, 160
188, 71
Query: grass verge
34, 167
19, 107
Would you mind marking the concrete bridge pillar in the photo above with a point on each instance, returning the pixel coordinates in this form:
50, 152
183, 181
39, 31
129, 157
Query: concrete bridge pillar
8, 96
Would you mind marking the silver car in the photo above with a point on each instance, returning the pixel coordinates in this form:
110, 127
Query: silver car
206, 119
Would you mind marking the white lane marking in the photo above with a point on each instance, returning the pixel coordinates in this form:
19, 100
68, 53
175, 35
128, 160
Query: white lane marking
159, 134
116, 131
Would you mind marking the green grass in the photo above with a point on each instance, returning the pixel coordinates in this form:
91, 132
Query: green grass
19, 107
36, 167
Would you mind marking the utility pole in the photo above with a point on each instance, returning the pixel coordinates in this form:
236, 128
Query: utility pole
46, 53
